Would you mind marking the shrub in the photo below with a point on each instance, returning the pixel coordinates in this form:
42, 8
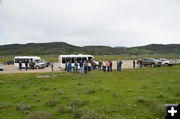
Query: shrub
114, 95
78, 103
90, 91
144, 100
40, 115
52, 102
77, 113
64, 109
4, 105
93, 115
61, 92
24, 107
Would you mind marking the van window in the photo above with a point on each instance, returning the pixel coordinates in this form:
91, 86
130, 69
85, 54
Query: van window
63, 60
17, 60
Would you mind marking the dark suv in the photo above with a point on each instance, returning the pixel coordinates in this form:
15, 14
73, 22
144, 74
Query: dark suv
151, 62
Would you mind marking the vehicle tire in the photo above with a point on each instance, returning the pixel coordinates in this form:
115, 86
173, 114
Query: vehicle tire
38, 67
166, 64
153, 65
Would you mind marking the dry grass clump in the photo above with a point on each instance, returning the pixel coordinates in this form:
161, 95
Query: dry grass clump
40, 115
52, 102
93, 115
4, 105
24, 107
90, 91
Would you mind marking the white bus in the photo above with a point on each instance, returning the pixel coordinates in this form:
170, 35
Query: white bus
38, 63
63, 59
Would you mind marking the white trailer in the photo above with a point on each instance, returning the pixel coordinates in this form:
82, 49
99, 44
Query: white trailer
38, 63
63, 59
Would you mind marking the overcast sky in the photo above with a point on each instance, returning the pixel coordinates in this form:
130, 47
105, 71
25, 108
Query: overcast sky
90, 22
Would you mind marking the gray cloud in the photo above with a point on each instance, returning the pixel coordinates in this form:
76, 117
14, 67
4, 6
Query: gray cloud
90, 22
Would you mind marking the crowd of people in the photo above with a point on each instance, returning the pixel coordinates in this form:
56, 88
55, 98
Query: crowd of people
86, 65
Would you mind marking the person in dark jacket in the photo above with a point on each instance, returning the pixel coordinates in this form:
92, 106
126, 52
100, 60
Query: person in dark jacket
69, 67
120, 65
52, 66
85, 67
117, 64
76, 67
81, 66
110, 65
134, 64
20, 65
26, 65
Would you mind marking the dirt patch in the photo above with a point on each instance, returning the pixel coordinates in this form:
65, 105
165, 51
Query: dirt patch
43, 76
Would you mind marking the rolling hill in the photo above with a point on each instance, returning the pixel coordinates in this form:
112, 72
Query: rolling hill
54, 48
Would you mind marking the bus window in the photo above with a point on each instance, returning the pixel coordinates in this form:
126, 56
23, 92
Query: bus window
63, 60
78, 59
73, 60
84, 58
89, 58
69, 59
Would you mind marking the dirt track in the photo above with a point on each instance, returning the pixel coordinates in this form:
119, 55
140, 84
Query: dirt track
12, 69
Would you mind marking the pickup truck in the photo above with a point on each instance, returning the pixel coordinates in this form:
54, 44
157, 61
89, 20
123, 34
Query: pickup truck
165, 62
150, 62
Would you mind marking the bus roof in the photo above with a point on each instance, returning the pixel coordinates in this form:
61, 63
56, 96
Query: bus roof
79, 55
34, 57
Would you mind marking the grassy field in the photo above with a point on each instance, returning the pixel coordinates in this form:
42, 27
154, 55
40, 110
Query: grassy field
130, 94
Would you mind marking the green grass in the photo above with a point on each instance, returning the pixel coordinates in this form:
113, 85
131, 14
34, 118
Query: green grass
130, 94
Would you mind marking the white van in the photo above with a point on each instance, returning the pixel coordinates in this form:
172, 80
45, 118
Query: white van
63, 59
23, 59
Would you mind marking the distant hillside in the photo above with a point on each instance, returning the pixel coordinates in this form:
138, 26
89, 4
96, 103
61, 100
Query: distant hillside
54, 48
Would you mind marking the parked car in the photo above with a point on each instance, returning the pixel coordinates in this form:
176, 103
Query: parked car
10, 62
151, 62
1, 67
177, 61
39, 64
165, 62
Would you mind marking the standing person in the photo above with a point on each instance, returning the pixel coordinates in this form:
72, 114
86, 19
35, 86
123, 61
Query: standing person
100, 65
69, 67
20, 65
104, 66
120, 65
81, 67
26, 65
117, 64
94, 65
33, 64
139, 63
76, 67
52, 66
66, 66
134, 64
85, 67
110, 65
89, 65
